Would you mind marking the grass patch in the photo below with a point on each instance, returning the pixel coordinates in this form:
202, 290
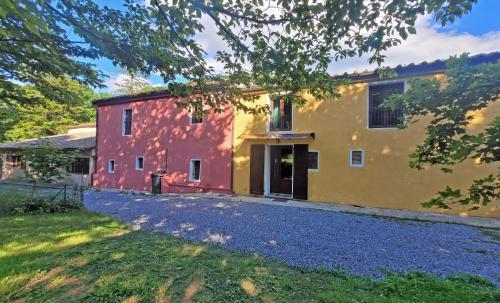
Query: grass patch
82, 257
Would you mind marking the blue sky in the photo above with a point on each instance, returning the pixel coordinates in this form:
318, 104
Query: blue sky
477, 32
484, 18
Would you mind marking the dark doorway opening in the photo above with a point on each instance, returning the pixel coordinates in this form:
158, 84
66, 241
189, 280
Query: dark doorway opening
281, 169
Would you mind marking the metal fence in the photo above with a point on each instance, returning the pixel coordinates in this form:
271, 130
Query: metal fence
53, 193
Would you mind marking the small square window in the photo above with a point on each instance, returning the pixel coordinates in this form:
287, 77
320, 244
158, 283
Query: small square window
194, 170
357, 158
313, 161
139, 163
196, 116
111, 166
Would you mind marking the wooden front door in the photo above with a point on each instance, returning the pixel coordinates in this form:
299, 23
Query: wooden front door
300, 153
281, 169
257, 169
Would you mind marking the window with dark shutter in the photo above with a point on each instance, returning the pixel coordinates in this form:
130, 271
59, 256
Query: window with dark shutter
380, 116
127, 122
313, 161
281, 115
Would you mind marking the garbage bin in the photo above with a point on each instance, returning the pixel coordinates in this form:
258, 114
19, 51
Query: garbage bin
156, 182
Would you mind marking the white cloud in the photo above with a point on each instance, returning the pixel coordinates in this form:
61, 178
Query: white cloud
113, 82
427, 45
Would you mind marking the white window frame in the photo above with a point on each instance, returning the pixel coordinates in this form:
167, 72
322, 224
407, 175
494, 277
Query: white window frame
405, 87
137, 163
109, 166
190, 177
191, 119
362, 157
123, 121
310, 169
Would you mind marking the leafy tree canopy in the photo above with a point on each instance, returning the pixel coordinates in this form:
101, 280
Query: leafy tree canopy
54, 105
449, 141
133, 84
281, 45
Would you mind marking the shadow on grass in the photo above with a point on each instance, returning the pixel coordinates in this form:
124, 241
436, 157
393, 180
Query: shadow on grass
83, 257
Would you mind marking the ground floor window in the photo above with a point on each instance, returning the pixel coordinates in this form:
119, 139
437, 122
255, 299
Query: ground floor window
194, 170
357, 158
139, 163
313, 160
111, 166
80, 165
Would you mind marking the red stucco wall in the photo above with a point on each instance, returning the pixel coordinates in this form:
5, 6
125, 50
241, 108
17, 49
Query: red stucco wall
162, 134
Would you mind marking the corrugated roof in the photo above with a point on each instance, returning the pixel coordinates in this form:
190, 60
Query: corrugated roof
78, 140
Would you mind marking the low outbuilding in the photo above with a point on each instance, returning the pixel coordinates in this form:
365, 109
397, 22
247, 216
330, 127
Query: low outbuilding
81, 138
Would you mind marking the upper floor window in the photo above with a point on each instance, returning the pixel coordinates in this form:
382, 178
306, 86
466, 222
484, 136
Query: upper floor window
80, 165
127, 122
196, 116
379, 116
281, 114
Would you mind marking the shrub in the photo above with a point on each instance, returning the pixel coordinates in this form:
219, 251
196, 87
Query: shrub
41, 206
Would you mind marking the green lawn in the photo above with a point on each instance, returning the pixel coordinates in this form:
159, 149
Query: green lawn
83, 257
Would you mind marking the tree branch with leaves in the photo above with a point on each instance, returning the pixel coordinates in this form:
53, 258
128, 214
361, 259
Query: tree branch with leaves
467, 89
279, 45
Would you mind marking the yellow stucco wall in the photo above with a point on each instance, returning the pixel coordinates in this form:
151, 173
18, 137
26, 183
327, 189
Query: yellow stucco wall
386, 180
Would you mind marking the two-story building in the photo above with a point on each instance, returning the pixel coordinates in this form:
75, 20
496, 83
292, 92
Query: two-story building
146, 142
80, 138
347, 150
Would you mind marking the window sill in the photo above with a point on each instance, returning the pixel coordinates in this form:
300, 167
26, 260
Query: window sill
383, 128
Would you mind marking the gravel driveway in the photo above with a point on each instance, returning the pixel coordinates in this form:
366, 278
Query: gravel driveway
358, 244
